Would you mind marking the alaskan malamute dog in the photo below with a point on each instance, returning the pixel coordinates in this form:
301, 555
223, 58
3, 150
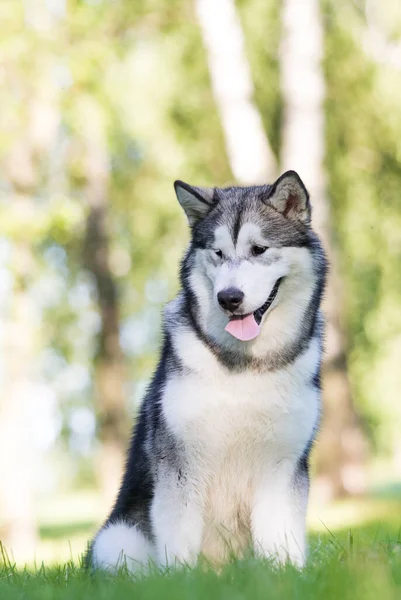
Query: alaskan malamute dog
218, 461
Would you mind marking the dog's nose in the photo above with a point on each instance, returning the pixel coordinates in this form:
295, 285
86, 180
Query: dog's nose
230, 299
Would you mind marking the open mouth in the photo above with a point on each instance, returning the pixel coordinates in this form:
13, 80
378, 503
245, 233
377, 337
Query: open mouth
258, 314
247, 327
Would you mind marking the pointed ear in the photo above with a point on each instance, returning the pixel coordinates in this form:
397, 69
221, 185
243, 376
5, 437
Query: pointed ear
289, 196
196, 201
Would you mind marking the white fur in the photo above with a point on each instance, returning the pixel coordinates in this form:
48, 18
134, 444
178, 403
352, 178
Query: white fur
255, 277
177, 520
223, 240
119, 545
242, 433
278, 518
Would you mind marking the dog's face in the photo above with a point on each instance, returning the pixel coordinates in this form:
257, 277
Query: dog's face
249, 255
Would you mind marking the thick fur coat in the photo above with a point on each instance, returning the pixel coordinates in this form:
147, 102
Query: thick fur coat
218, 461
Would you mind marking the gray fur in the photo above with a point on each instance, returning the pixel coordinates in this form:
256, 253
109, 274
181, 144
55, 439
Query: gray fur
190, 453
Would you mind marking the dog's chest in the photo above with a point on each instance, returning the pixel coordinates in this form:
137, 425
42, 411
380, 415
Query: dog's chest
222, 414
237, 429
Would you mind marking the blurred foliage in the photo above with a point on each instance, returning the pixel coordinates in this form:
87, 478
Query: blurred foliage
130, 78
364, 170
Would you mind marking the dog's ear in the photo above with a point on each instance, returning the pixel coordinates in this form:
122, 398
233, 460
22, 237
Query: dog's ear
196, 201
289, 196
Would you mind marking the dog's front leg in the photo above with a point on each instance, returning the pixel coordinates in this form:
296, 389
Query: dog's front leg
177, 520
279, 515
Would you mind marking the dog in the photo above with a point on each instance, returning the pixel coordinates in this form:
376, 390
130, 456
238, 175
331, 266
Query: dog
218, 462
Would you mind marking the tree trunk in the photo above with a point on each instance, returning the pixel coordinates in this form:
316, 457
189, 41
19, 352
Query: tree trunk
341, 449
18, 459
249, 153
110, 399
17, 513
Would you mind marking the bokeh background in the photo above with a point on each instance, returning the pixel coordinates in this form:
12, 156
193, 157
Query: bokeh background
103, 105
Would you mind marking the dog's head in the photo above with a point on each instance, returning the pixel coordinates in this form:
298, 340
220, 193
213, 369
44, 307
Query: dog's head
253, 258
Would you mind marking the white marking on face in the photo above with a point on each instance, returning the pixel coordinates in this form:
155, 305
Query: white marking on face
254, 276
256, 281
223, 241
248, 236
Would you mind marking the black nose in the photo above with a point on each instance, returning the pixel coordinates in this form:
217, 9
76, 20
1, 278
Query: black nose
230, 299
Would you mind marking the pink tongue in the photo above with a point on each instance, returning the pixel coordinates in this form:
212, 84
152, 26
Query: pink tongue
243, 329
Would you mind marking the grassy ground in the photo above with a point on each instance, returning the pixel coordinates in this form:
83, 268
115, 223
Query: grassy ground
355, 568
355, 552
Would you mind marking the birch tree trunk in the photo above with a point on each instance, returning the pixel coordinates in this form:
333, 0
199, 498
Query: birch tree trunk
17, 460
341, 449
251, 158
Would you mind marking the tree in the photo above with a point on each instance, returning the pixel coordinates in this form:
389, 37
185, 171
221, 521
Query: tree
110, 395
248, 149
18, 527
341, 449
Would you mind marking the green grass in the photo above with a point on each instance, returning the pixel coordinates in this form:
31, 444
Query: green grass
355, 553
362, 564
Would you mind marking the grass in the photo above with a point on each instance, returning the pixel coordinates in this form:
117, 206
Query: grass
355, 552
340, 569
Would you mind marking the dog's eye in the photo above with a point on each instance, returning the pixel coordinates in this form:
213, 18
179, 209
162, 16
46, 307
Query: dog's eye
258, 250
219, 253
